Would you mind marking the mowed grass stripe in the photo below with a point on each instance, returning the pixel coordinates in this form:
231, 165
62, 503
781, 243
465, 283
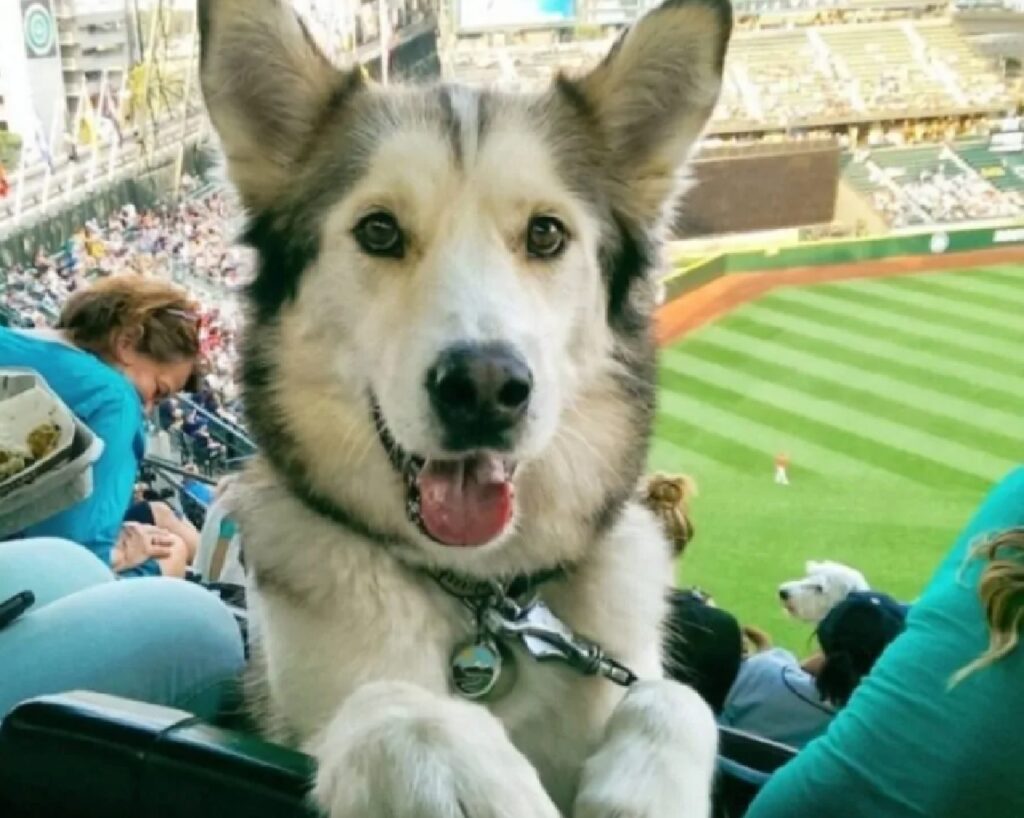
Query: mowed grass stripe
709, 443
876, 355
1006, 280
952, 288
670, 455
925, 323
822, 378
964, 318
975, 280
947, 307
860, 319
874, 440
1010, 273
838, 414
685, 402
895, 463
918, 387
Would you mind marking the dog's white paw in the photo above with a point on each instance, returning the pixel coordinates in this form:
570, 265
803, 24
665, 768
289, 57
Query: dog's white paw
395, 750
656, 760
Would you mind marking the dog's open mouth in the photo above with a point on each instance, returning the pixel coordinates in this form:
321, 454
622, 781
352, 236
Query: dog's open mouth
464, 502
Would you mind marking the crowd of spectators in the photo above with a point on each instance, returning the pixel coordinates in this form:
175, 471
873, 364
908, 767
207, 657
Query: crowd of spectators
954, 195
762, 15
941, 195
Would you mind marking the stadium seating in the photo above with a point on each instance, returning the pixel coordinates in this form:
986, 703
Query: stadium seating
887, 75
1004, 171
120, 757
797, 76
934, 184
946, 49
786, 79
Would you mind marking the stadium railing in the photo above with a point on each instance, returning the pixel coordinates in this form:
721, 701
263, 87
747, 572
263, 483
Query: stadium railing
233, 436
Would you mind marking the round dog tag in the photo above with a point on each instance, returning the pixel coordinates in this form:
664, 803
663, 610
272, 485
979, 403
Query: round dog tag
482, 669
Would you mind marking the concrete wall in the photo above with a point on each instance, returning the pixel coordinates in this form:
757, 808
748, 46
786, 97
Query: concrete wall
854, 211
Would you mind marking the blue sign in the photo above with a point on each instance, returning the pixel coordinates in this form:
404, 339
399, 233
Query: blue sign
40, 29
481, 15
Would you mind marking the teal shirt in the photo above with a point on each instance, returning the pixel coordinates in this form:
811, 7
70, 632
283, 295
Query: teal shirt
908, 746
107, 402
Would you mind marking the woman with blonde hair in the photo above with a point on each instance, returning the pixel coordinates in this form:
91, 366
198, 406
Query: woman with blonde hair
936, 730
668, 496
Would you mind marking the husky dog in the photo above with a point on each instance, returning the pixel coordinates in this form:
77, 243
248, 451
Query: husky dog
825, 586
449, 367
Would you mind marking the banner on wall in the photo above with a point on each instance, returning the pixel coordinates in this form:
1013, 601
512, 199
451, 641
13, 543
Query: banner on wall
481, 15
39, 28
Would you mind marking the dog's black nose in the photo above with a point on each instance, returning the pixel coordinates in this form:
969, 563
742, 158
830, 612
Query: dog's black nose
480, 393
783, 594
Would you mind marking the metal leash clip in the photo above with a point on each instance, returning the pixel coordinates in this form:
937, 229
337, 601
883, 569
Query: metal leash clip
546, 638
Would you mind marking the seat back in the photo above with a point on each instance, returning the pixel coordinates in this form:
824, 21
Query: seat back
745, 764
86, 755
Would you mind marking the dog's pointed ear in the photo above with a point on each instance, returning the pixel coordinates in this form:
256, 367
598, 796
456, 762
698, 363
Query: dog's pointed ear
266, 84
653, 95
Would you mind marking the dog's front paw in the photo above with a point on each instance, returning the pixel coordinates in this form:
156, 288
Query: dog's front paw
395, 750
657, 757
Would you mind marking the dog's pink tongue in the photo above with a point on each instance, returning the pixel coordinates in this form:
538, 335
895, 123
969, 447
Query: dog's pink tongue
465, 502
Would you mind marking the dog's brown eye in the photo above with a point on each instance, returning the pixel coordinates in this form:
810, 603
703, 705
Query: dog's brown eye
545, 237
379, 235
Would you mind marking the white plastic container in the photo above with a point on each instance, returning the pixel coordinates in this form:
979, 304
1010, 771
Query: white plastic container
57, 481
25, 403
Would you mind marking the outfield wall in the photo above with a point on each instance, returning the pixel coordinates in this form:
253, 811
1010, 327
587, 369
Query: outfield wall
844, 251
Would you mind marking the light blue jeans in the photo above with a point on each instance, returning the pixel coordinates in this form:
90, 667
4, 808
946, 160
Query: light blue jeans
158, 640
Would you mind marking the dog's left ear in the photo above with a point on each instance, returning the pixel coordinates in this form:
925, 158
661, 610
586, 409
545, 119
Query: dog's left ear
653, 95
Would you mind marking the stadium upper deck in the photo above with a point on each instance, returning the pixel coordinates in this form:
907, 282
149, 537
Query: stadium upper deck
803, 65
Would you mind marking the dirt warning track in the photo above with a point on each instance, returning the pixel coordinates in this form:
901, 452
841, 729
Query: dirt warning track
721, 296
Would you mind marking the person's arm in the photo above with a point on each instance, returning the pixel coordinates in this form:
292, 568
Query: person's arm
814, 663
96, 522
909, 744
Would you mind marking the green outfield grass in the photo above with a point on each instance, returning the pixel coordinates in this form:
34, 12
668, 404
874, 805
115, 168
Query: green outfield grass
899, 400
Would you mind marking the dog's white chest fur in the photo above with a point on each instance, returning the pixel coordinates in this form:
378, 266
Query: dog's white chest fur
335, 612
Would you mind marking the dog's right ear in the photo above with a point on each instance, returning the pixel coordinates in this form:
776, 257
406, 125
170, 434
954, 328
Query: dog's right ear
652, 95
265, 83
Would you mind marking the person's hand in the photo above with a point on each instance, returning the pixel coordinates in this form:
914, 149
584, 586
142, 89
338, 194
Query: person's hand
139, 543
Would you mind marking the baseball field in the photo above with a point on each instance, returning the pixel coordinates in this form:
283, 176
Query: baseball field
899, 399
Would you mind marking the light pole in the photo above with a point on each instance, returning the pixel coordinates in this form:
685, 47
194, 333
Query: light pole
385, 39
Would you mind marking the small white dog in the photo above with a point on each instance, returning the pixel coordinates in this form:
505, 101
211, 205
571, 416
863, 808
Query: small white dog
826, 584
